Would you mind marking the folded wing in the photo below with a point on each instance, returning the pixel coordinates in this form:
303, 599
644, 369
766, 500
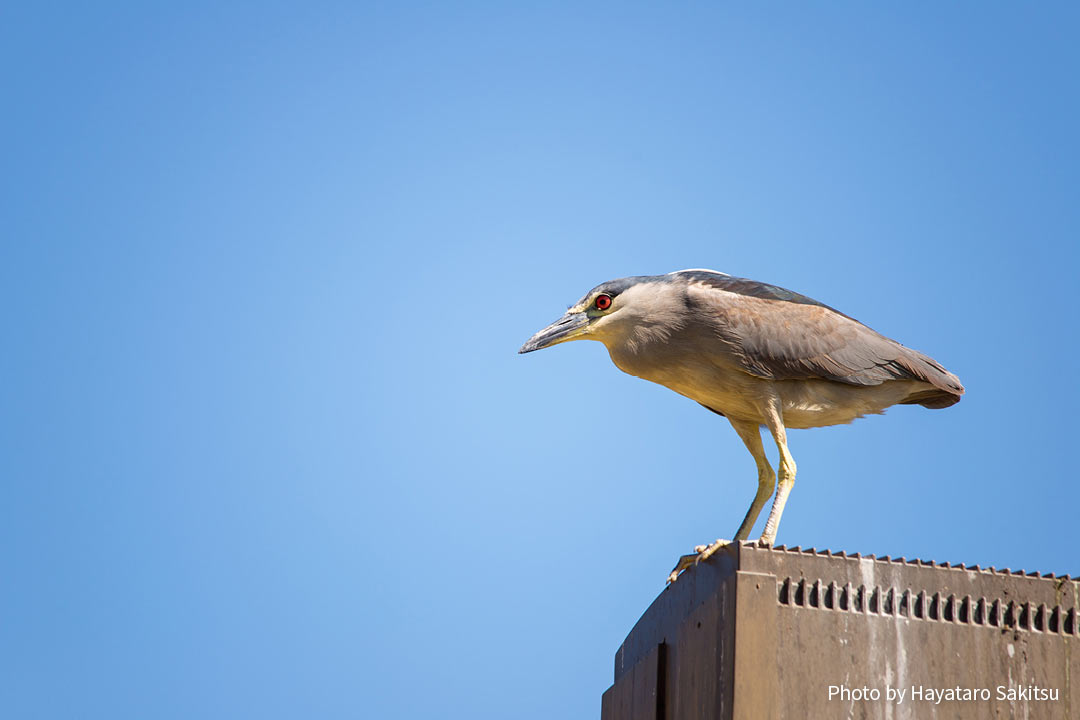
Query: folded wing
777, 334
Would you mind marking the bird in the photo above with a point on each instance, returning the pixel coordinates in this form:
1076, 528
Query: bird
756, 354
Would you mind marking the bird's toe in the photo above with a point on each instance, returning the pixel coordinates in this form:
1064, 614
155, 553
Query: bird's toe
706, 551
701, 552
684, 562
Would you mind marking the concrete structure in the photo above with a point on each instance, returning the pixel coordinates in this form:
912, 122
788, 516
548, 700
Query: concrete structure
770, 634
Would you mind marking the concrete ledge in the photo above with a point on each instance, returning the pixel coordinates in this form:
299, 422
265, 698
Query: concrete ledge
789, 633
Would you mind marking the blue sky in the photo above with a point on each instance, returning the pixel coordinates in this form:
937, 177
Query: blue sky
267, 449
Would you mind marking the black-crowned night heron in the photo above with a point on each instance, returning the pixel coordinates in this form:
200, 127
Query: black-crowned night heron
756, 354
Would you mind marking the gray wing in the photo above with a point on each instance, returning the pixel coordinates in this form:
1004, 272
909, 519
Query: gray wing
779, 335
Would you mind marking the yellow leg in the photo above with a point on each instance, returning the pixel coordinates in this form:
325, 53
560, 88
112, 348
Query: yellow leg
751, 437
775, 422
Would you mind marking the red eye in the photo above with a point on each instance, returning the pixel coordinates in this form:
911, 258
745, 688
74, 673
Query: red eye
603, 302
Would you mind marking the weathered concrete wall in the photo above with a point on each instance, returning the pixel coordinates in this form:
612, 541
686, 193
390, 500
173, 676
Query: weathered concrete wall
788, 634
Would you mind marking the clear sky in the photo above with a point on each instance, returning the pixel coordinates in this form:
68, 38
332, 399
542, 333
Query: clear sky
266, 446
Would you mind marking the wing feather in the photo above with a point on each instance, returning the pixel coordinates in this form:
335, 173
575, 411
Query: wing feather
780, 335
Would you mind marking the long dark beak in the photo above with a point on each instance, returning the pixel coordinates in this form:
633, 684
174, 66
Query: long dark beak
568, 327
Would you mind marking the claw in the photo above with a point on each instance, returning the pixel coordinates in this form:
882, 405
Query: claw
684, 562
701, 552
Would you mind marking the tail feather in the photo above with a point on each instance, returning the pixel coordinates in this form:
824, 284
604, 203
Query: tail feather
933, 399
926, 368
947, 387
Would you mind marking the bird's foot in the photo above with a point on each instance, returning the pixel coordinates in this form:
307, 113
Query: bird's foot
701, 552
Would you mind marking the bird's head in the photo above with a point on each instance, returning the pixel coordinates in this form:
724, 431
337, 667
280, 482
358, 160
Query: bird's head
624, 311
